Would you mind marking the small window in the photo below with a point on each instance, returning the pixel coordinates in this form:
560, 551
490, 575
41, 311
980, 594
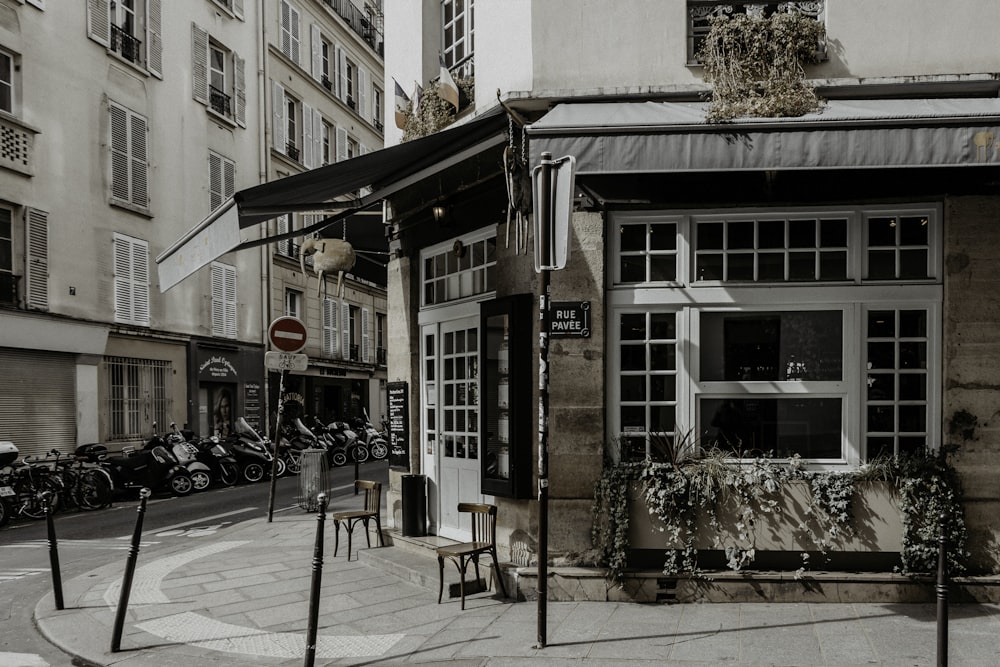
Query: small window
8, 283
7, 98
293, 303
292, 138
327, 143
130, 30
898, 247
377, 108
457, 36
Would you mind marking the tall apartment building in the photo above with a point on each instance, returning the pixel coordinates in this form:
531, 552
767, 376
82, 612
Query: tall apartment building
124, 123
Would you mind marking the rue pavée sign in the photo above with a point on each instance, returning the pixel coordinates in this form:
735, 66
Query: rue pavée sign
569, 319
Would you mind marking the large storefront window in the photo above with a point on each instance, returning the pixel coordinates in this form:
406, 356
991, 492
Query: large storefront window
138, 396
775, 333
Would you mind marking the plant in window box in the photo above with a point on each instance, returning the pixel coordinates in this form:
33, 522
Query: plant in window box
755, 64
434, 113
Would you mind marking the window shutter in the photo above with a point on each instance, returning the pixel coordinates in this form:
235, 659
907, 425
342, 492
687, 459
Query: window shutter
345, 330
154, 39
238, 9
329, 327
36, 258
316, 45
230, 302
228, 179
240, 90
140, 178
278, 110
341, 73
99, 21
119, 153
295, 35
286, 28
307, 136
131, 280
214, 181
317, 138
365, 336
199, 63
285, 245
218, 299
363, 85
140, 283
341, 144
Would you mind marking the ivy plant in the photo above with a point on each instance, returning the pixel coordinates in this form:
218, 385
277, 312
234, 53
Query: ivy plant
433, 113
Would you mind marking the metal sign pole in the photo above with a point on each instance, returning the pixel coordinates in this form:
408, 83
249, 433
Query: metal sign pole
277, 439
544, 240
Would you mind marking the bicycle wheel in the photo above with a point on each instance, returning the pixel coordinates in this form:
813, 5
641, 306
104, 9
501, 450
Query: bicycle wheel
30, 501
94, 489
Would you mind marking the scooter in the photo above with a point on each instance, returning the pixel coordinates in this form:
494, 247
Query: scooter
213, 453
154, 468
370, 437
187, 455
294, 437
252, 452
347, 446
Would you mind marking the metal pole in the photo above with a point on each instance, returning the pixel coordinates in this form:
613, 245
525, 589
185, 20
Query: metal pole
277, 442
544, 241
133, 555
942, 596
317, 578
53, 551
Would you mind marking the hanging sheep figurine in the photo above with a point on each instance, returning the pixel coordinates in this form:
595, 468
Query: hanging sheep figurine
329, 255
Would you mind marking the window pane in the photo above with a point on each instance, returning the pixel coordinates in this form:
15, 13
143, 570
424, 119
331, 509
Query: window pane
664, 326
662, 388
881, 418
633, 269
881, 264
663, 236
882, 232
740, 235
913, 230
709, 236
881, 386
709, 267
881, 324
740, 267
633, 357
771, 234
881, 355
810, 427
802, 266
833, 234
771, 266
633, 387
662, 357
633, 417
833, 265
633, 326
661, 418
662, 267
802, 234
912, 418
913, 323
633, 237
912, 355
912, 264
913, 387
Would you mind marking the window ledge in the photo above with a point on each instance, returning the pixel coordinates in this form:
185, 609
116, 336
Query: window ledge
222, 118
141, 210
136, 67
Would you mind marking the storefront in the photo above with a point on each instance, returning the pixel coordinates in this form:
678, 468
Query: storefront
227, 382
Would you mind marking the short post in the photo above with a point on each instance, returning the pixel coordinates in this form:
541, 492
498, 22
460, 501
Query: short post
133, 555
53, 551
317, 578
942, 595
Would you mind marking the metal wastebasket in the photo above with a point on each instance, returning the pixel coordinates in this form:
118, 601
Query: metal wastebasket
414, 505
312, 478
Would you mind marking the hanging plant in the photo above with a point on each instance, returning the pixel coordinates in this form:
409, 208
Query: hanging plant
433, 113
756, 65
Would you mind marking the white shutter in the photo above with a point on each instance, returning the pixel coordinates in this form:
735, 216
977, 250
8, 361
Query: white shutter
363, 84
131, 279
230, 302
317, 137
36, 258
240, 89
278, 111
238, 9
228, 179
140, 283
199, 63
284, 226
316, 45
99, 21
365, 336
119, 153
285, 30
217, 277
215, 196
341, 73
341, 144
307, 136
154, 39
295, 35
329, 327
140, 178
345, 330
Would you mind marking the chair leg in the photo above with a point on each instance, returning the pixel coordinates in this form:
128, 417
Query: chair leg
440, 578
336, 536
378, 527
350, 534
461, 580
368, 536
497, 573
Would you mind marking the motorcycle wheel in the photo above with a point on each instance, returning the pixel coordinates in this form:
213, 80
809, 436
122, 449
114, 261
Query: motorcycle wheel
6, 509
379, 450
30, 502
181, 484
229, 474
201, 480
293, 461
253, 472
360, 453
339, 458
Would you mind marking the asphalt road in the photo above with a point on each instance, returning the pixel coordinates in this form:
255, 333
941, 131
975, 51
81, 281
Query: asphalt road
88, 540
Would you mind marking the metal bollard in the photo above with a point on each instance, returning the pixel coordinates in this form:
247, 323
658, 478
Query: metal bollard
133, 555
53, 551
317, 578
942, 596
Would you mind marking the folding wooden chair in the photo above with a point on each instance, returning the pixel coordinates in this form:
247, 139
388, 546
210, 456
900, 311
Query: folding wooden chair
484, 540
373, 501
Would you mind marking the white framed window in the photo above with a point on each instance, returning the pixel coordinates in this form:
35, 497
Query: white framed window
129, 29
129, 159
8, 97
327, 141
293, 303
837, 365
289, 31
458, 269
286, 247
330, 335
131, 279
377, 110
233, 7
138, 396
8, 280
221, 179
458, 36
350, 79
223, 282
218, 77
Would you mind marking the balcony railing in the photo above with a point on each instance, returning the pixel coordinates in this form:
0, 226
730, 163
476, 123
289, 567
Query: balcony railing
353, 352
128, 46
292, 151
701, 13
220, 102
378, 125
380, 356
327, 83
8, 288
367, 26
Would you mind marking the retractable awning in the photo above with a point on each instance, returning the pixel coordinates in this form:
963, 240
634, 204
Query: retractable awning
650, 137
328, 189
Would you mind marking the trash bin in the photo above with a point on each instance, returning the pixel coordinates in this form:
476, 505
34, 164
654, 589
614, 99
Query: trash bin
312, 478
414, 505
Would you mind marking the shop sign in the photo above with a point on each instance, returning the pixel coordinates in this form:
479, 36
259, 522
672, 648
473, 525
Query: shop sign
399, 408
569, 319
217, 368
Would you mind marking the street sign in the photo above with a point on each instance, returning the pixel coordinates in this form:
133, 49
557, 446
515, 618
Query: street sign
553, 183
286, 361
287, 334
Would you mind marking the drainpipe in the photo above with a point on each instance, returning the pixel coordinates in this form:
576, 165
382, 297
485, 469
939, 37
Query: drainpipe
263, 135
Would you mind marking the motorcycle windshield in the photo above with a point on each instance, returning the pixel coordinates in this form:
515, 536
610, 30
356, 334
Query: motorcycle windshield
302, 428
243, 428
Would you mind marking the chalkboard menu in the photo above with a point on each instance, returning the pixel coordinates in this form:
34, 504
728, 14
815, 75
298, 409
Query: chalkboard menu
399, 420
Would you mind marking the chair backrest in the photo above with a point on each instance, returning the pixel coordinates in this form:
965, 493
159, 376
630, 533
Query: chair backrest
373, 494
484, 521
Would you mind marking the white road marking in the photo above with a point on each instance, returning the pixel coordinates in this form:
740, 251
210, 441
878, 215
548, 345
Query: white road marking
87, 544
22, 660
196, 521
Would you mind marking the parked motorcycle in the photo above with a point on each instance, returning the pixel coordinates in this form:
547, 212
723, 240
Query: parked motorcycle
8, 454
252, 452
374, 441
213, 453
294, 437
187, 455
154, 468
346, 445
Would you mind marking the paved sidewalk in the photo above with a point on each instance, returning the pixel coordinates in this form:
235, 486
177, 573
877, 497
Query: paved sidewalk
241, 597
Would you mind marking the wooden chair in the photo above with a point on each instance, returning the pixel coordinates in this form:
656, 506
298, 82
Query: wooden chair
373, 501
484, 540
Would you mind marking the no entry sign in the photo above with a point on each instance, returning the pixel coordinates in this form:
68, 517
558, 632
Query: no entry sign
287, 334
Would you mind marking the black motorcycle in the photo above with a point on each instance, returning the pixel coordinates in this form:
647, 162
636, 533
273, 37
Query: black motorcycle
154, 468
369, 437
252, 452
293, 439
220, 461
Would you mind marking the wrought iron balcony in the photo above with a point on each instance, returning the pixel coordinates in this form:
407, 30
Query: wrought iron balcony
125, 44
327, 83
378, 125
367, 26
701, 13
292, 151
380, 356
8, 288
219, 101
353, 352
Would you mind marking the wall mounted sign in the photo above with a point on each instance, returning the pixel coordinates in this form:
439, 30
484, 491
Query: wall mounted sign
399, 420
569, 319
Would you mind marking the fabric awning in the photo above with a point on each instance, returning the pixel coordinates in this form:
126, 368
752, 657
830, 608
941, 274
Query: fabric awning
328, 189
609, 138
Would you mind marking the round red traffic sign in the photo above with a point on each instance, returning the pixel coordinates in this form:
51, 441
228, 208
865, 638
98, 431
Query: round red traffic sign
287, 334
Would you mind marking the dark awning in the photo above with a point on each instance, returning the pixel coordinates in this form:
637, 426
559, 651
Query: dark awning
658, 137
328, 189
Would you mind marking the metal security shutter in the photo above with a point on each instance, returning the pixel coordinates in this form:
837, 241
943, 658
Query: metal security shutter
38, 400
